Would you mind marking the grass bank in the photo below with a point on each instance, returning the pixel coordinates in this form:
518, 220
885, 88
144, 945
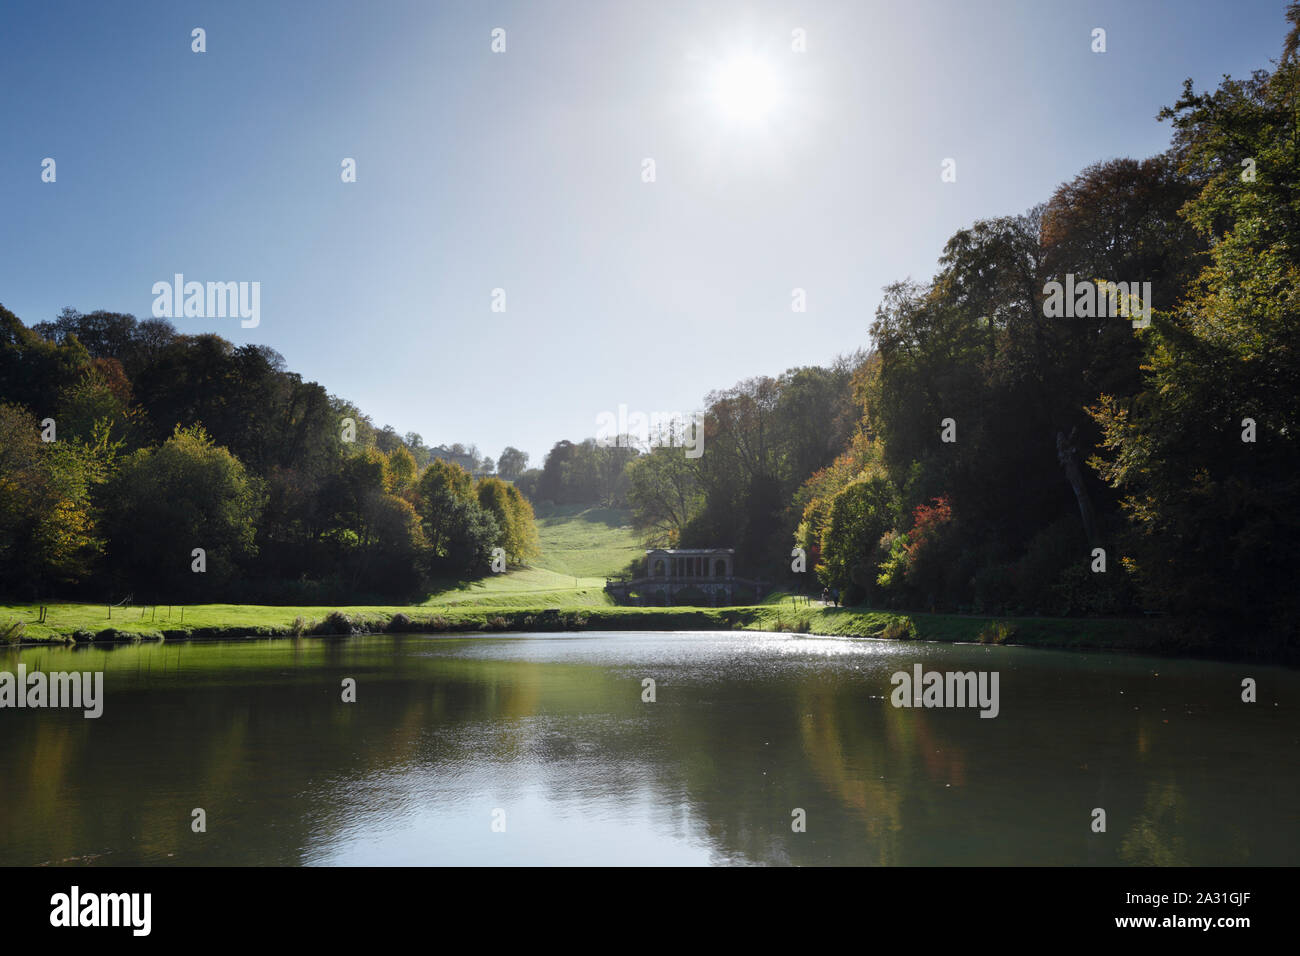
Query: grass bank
506, 610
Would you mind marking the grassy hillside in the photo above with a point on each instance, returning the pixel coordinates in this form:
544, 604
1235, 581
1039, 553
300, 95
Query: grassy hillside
524, 587
586, 542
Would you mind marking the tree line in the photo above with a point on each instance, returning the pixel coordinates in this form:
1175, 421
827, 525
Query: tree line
991, 452
1094, 466
992, 455
138, 461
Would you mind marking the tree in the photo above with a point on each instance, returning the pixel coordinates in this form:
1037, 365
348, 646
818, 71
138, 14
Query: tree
459, 534
859, 517
1215, 513
32, 370
165, 502
513, 515
816, 494
665, 495
337, 498
419, 451
512, 463
400, 473
48, 534
100, 400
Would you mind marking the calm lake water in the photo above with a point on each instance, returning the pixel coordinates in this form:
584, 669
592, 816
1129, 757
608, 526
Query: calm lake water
549, 733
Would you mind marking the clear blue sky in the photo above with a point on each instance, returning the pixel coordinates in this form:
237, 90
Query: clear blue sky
523, 170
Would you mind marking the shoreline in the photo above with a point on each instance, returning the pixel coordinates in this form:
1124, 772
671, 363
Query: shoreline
1159, 636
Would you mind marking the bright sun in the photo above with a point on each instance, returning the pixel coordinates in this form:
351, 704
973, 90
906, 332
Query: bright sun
746, 88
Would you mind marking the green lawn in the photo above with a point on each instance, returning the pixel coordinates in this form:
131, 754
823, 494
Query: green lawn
523, 587
586, 542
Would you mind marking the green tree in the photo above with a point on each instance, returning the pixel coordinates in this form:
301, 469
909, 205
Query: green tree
513, 515
400, 473
165, 502
34, 371
860, 515
665, 495
459, 534
1216, 516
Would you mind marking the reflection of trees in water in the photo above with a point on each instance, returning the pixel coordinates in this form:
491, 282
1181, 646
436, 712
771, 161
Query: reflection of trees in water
885, 785
260, 739
819, 741
271, 756
874, 779
841, 757
37, 756
1156, 837
1172, 830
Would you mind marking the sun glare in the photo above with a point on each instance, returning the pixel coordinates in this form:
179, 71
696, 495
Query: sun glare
746, 88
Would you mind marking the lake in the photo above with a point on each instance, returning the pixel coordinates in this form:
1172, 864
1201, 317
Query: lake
540, 749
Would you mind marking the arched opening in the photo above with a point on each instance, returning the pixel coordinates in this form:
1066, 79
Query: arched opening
720, 568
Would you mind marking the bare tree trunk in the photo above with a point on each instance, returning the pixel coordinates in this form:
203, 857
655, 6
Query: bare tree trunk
1066, 454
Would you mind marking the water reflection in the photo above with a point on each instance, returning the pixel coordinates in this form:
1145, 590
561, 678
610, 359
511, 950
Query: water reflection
551, 731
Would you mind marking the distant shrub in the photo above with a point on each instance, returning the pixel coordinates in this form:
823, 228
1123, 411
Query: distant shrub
794, 622
400, 624
997, 632
497, 623
301, 626
336, 622
549, 620
899, 629
438, 623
